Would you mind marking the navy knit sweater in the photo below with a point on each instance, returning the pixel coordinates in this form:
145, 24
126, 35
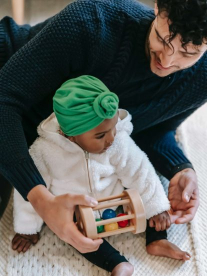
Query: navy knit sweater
106, 39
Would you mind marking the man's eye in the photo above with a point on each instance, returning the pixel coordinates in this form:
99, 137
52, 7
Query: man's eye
160, 39
101, 136
187, 55
163, 42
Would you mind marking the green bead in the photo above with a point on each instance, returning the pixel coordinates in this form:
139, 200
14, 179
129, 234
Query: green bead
100, 228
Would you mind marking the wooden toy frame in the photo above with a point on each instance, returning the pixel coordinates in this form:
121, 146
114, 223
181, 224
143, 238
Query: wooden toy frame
133, 207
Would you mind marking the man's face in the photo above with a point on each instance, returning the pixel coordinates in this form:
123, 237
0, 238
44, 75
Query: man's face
165, 60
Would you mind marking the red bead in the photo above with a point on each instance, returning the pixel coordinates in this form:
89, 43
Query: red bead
122, 223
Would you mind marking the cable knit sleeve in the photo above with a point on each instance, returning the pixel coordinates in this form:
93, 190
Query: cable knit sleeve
59, 51
162, 148
135, 171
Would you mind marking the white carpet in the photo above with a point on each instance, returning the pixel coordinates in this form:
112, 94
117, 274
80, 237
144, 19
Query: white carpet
53, 257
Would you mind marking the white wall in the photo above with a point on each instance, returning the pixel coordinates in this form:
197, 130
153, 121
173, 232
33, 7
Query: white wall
39, 10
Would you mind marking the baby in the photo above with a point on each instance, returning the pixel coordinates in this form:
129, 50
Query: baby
85, 148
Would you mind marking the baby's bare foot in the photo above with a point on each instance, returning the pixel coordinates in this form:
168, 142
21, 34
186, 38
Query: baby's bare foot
123, 269
22, 242
164, 248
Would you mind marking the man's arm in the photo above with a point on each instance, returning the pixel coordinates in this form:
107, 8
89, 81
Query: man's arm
32, 74
13, 36
160, 145
61, 50
168, 158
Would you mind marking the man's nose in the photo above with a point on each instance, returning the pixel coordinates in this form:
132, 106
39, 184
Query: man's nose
166, 58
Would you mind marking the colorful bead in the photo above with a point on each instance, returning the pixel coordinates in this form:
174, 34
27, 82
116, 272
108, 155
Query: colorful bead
100, 228
108, 214
122, 223
111, 226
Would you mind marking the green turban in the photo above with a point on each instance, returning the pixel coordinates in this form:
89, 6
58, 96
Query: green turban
82, 104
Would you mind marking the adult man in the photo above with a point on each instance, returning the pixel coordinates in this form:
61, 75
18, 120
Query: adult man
142, 58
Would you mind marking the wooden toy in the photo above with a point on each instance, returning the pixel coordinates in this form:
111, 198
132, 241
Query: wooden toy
133, 209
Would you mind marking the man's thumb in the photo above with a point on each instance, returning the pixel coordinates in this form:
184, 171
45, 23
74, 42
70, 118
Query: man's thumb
187, 193
85, 200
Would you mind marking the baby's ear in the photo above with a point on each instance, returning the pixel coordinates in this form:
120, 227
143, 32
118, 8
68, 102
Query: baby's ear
61, 133
71, 138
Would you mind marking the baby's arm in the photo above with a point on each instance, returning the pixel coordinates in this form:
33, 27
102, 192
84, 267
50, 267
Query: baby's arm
27, 223
136, 171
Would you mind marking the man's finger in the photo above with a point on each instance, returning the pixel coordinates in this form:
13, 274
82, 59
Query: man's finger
82, 243
175, 215
190, 189
187, 216
83, 200
84, 250
87, 248
184, 219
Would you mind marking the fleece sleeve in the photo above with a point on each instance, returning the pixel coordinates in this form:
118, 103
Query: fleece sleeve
135, 171
26, 220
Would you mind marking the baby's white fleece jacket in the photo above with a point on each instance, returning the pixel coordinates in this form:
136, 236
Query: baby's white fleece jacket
66, 168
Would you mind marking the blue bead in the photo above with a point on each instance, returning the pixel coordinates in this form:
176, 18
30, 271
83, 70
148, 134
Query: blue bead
108, 214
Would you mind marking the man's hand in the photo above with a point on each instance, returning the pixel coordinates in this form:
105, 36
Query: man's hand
160, 222
57, 212
184, 196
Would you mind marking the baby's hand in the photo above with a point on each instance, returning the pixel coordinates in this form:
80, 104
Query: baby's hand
160, 222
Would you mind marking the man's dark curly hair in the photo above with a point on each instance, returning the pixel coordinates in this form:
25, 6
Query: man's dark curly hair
187, 18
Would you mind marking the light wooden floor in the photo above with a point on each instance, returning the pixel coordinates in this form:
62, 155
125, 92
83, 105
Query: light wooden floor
38, 10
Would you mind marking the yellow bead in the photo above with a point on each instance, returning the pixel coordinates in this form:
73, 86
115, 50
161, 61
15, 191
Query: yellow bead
111, 226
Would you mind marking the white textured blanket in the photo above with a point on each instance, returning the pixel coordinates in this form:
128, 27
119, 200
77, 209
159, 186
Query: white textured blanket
52, 257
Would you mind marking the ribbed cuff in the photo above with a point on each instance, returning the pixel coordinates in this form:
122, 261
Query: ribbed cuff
24, 177
171, 161
179, 168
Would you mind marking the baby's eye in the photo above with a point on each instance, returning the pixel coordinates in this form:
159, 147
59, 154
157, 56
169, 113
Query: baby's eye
101, 136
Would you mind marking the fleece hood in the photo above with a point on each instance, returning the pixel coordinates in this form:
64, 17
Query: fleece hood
49, 129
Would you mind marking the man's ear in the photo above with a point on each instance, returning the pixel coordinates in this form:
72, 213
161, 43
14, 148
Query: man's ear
155, 9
